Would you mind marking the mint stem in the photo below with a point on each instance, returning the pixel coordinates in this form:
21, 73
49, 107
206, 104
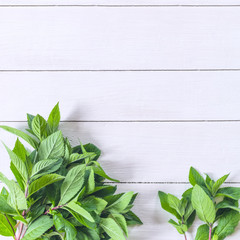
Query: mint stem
185, 236
54, 208
23, 214
24, 232
210, 232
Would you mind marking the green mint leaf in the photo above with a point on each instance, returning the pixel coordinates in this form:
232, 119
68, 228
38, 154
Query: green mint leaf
16, 198
202, 232
218, 183
46, 166
19, 165
38, 228
190, 219
227, 224
90, 182
20, 150
203, 205
95, 204
227, 203
30, 117
195, 177
78, 157
121, 221
63, 225
92, 148
99, 171
121, 203
22, 135
230, 192
72, 183
39, 126
188, 211
43, 182
165, 204
6, 228
175, 203
81, 211
113, 230
52, 147
54, 119
5, 207
132, 219
181, 228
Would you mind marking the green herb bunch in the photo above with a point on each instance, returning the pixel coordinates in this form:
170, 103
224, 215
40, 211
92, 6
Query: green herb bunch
59, 192
217, 207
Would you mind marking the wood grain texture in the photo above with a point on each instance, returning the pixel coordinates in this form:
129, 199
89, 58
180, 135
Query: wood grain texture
122, 96
154, 152
119, 38
155, 219
119, 2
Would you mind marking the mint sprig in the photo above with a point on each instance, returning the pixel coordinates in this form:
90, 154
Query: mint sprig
216, 206
59, 191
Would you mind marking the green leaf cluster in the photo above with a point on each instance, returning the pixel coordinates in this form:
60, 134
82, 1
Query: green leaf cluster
59, 192
216, 206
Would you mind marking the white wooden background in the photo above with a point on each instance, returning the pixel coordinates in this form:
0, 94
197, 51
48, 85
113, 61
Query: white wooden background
154, 83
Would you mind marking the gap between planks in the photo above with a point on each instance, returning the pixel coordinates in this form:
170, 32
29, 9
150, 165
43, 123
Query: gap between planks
125, 70
158, 183
120, 6
135, 121
163, 183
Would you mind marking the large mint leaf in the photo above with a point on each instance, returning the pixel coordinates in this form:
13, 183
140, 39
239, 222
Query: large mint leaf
38, 228
43, 182
112, 229
203, 205
52, 147
72, 183
227, 223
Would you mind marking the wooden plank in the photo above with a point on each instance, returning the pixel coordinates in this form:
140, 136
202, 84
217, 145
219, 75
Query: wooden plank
154, 152
119, 2
111, 38
122, 96
147, 207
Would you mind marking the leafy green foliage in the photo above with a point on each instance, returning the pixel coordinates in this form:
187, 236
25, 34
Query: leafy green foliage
217, 207
59, 192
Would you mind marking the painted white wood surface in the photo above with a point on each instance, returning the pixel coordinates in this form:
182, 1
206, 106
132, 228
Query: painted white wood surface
119, 38
110, 107
155, 152
148, 208
122, 96
120, 2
